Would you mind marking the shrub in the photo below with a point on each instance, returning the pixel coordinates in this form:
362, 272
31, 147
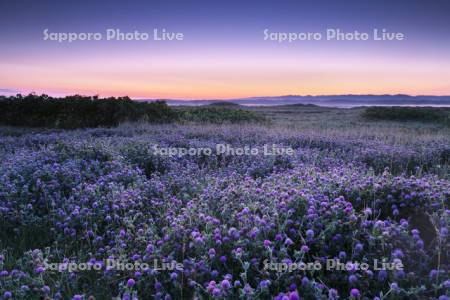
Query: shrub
422, 114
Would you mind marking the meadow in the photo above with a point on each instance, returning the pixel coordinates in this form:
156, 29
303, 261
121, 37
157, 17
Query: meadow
227, 226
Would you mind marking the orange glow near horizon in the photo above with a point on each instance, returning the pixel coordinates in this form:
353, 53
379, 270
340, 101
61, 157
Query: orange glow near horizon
224, 75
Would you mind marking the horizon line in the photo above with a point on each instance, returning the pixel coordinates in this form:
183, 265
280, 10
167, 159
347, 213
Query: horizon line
62, 95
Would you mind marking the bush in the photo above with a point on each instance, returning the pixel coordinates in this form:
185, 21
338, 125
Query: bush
422, 114
79, 111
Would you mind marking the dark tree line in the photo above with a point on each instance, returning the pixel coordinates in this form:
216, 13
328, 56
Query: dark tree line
79, 111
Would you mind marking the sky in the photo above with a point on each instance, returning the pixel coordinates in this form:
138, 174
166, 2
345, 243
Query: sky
223, 53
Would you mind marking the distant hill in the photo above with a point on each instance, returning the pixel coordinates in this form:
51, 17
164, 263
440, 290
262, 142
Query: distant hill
298, 105
325, 100
224, 104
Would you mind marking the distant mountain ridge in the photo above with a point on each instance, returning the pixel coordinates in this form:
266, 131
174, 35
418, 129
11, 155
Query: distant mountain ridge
325, 100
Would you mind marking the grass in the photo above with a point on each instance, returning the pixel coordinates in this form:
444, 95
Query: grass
92, 175
218, 115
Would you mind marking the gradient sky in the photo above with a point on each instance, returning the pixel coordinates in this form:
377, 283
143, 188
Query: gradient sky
223, 54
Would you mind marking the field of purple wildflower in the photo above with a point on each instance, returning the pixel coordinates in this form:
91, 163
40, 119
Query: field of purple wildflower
86, 196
